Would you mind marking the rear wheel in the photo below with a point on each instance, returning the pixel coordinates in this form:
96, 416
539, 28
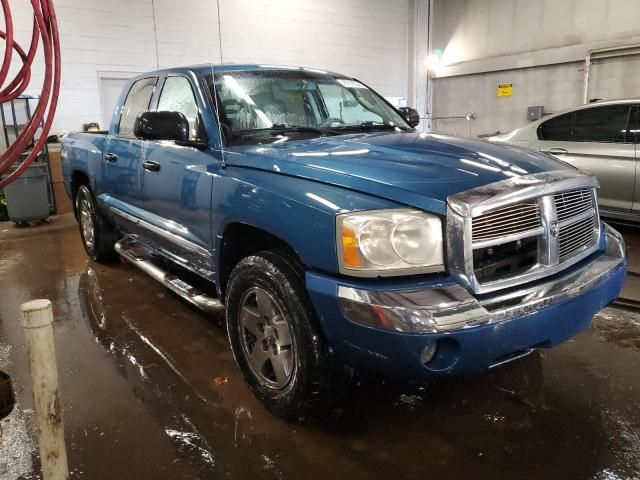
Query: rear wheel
98, 237
276, 340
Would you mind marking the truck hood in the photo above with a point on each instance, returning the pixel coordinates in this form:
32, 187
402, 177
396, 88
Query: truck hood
415, 169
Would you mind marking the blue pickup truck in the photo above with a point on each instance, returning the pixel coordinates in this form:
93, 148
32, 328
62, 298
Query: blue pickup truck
334, 235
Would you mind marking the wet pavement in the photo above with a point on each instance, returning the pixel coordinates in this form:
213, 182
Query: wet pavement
149, 390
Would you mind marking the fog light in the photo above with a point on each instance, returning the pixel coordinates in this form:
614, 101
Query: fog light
428, 352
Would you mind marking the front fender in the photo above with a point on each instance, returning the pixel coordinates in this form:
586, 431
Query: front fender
299, 212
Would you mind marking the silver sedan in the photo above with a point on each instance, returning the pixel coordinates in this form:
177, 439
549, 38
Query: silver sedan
600, 138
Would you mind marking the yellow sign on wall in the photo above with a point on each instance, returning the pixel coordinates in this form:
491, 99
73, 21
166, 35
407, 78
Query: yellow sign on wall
505, 90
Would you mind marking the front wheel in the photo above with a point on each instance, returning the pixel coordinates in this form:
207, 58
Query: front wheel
98, 237
276, 340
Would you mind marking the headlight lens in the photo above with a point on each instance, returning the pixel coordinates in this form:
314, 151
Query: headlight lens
389, 242
374, 243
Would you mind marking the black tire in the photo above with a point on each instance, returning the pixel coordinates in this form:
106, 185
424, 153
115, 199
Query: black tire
317, 380
99, 244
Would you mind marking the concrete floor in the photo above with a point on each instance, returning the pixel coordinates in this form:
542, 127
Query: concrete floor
150, 391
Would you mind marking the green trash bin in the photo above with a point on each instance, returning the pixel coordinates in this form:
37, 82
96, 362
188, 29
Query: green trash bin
27, 196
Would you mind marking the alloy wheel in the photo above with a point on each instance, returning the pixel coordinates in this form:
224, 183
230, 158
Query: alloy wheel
266, 340
86, 223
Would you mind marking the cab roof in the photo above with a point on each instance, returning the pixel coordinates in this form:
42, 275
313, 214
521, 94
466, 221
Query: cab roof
205, 68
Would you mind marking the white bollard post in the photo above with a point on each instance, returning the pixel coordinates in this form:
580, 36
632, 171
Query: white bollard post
37, 317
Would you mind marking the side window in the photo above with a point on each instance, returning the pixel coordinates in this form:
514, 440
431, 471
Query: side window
177, 96
136, 103
606, 124
557, 128
634, 125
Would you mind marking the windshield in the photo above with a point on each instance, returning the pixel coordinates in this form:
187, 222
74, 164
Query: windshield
273, 105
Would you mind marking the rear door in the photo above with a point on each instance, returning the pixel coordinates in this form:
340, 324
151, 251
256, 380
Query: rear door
177, 181
597, 141
122, 155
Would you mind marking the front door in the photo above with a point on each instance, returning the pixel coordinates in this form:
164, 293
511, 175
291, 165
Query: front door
177, 183
599, 143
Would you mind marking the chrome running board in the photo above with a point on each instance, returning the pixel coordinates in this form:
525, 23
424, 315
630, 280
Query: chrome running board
136, 253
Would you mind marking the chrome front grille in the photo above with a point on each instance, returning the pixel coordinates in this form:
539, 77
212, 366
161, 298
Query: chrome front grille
577, 222
571, 204
521, 229
576, 237
506, 221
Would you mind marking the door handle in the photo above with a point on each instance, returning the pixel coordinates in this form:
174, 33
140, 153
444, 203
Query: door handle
558, 151
111, 157
151, 166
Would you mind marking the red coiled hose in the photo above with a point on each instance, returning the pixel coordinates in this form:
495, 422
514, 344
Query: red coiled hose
44, 26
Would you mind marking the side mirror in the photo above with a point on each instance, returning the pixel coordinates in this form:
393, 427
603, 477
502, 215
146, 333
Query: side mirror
411, 115
162, 126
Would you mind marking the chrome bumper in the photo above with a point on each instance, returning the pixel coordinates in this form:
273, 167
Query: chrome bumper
451, 307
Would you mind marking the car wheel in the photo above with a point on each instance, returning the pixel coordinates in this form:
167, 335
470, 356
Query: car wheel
98, 237
276, 340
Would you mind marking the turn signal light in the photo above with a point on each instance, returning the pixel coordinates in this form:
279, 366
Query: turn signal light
350, 248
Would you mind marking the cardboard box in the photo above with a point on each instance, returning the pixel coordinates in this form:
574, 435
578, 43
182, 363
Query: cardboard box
56, 166
63, 204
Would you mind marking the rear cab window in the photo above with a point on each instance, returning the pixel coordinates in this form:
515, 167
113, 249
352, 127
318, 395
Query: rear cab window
137, 102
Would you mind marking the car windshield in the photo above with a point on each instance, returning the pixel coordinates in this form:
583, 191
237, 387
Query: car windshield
278, 105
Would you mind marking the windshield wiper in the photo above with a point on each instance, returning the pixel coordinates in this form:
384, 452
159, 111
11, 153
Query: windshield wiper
369, 125
285, 128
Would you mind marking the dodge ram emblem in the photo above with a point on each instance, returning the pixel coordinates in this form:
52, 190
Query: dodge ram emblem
553, 229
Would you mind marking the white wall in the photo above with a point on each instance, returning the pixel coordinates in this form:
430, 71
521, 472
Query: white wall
363, 38
480, 29
554, 86
538, 46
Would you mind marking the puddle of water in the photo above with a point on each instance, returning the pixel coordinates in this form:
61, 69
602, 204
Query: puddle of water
618, 326
150, 390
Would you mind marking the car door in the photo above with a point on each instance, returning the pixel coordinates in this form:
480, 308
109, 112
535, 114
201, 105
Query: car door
634, 133
177, 182
597, 141
122, 157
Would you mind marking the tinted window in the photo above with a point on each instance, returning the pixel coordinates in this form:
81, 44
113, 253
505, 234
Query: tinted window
634, 124
601, 124
177, 96
137, 102
557, 128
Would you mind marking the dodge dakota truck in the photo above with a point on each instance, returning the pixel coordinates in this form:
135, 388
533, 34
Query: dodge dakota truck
334, 235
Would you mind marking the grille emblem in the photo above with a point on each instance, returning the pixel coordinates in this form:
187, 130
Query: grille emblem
553, 229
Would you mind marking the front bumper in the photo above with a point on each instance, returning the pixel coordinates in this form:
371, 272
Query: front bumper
387, 327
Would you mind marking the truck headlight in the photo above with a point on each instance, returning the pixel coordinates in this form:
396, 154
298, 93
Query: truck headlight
389, 242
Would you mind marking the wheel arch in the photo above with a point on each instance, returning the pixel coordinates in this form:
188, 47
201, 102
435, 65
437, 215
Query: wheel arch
78, 178
239, 240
